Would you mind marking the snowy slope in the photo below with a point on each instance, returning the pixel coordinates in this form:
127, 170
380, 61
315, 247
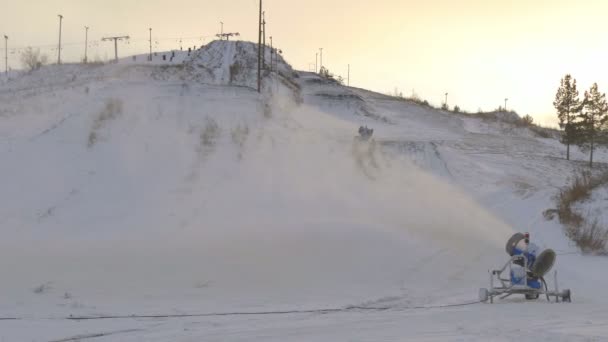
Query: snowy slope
175, 188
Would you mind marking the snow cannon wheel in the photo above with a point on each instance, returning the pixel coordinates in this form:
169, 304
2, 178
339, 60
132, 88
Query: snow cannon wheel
483, 295
566, 296
531, 296
512, 242
544, 263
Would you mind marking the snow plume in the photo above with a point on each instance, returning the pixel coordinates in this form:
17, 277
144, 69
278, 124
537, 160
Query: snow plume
279, 204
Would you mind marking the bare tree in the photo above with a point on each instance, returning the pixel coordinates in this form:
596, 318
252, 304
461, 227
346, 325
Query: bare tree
32, 59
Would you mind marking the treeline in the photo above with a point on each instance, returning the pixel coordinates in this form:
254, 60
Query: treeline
584, 121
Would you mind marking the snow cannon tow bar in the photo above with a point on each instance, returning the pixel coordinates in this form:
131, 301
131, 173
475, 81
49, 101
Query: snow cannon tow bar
526, 270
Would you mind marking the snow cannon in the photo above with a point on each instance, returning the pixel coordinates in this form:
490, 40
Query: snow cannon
524, 273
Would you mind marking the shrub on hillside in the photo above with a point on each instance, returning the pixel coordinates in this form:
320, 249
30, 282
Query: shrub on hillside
324, 72
527, 120
111, 110
32, 59
210, 133
589, 235
235, 69
542, 131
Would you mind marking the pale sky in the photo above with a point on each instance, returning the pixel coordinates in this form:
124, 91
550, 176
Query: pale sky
479, 51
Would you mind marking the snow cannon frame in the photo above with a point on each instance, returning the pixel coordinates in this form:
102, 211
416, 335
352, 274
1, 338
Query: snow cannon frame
532, 272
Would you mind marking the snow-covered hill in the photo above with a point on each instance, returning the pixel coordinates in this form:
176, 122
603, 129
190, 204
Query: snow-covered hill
175, 188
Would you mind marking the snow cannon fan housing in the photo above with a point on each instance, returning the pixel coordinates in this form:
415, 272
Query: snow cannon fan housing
538, 264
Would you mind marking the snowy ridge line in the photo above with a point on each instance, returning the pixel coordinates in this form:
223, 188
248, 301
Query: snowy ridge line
259, 313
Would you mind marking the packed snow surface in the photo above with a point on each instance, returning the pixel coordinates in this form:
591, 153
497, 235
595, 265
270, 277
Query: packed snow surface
174, 188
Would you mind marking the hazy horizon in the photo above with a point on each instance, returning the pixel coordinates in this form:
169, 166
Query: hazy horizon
480, 52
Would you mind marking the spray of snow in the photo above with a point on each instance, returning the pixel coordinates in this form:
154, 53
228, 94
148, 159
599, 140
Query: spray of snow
257, 202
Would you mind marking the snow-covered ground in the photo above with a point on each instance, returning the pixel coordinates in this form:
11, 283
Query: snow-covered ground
175, 189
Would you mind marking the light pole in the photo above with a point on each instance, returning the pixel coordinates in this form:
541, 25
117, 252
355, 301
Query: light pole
348, 77
150, 57
260, 50
321, 60
6, 54
506, 99
59, 51
446, 100
316, 62
277, 52
264, 39
222, 30
86, 43
271, 52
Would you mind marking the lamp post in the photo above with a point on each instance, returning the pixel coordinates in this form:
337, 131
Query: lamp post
150, 57
506, 99
86, 43
348, 77
446, 100
59, 50
260, 49
321, 59
6, 54
222, 30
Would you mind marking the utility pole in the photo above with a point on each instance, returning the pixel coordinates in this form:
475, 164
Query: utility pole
277, 53
260, 50
86, 43
271, 53
446, 100
59, 51
150, 57
6, 54
264, 41
115, 39
221, 30
316, 62
506, 99
348, 77
321, 64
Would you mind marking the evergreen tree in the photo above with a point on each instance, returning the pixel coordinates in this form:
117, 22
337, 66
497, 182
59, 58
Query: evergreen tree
593, 121
568, 105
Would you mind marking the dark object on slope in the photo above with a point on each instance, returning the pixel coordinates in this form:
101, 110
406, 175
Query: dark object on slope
365, 133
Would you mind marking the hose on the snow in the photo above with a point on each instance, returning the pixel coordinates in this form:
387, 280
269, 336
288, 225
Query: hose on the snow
257, 313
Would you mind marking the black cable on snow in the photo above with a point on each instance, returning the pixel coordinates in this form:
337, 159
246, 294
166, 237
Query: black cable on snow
255, 313
286, 312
